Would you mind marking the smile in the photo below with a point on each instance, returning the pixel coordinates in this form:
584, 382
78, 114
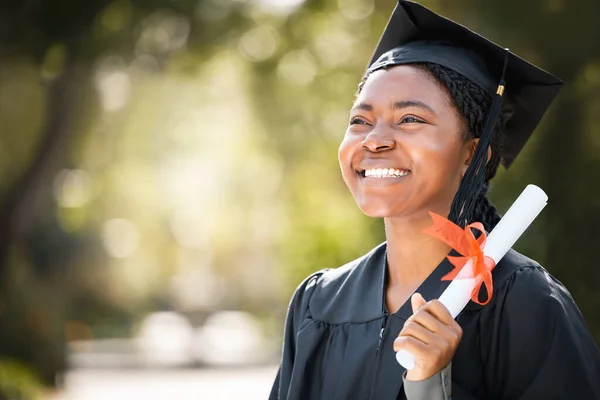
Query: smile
384, 173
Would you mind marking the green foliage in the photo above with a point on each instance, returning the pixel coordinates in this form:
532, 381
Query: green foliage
18, 381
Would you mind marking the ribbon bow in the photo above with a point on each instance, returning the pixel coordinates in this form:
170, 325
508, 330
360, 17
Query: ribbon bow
471, 249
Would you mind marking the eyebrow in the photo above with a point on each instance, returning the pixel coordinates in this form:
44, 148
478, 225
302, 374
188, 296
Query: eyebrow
412, 103
397, 105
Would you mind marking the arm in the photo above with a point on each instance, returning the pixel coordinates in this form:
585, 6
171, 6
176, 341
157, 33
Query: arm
436, 387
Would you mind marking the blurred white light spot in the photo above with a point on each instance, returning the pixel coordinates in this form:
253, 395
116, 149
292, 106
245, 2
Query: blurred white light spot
165, 339
163, 32
356, 9
187, 185
279, 6
259, 44
120, 237
114, 88
230, 338
72, 188
297, 67
144, 64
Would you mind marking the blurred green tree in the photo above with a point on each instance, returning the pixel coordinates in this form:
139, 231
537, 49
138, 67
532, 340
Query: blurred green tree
61, 41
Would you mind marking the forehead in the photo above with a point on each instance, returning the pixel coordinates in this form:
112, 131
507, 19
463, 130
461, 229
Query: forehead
404, 82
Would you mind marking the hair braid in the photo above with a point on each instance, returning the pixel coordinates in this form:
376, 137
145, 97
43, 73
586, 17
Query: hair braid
473, 103
485, 212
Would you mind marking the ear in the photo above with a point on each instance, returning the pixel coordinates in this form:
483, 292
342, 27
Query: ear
472, 145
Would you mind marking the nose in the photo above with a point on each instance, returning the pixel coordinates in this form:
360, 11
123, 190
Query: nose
378, 140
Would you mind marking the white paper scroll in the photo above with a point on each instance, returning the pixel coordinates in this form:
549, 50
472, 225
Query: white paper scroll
516, 220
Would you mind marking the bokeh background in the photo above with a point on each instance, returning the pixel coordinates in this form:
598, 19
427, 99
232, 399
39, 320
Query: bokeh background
168, 176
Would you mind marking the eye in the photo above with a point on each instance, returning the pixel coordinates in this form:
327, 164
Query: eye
358, 121
410, 119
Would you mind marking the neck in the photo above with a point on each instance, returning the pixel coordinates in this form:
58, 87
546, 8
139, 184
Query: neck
412, 254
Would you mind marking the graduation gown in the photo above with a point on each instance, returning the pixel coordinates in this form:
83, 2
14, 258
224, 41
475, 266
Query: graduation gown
529, 342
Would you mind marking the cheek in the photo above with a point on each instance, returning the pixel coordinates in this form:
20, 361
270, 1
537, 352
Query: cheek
440, 159
345, 153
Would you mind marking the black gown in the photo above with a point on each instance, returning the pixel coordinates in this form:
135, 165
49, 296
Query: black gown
529, 342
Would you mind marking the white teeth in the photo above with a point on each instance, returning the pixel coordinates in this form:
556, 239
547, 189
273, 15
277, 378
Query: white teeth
386, 172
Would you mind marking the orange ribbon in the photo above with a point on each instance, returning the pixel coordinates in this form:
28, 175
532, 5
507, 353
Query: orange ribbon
471, 248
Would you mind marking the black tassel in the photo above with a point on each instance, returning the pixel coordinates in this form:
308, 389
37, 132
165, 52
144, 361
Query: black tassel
461, 210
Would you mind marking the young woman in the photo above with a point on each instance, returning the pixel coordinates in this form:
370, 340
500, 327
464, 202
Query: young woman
427, 132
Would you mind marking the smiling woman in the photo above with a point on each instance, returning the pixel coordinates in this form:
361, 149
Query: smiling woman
428, 130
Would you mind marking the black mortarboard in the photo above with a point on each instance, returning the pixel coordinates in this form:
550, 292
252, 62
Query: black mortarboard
415, 34
530, 90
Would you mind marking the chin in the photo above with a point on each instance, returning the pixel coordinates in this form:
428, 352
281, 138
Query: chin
386, 209
377, 210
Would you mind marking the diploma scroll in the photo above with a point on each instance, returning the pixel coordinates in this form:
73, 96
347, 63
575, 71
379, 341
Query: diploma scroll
516, 220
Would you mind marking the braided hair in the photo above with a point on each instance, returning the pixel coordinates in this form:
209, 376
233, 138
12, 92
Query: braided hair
473, 103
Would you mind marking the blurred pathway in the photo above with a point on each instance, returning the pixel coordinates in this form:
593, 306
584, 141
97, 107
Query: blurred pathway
197, 384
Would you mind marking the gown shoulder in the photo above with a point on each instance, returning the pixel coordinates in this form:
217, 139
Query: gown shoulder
351, 293
535, 341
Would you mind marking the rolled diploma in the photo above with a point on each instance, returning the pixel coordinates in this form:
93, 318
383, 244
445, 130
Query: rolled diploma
516, 220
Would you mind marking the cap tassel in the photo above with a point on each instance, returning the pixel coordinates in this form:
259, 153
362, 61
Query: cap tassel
463, 205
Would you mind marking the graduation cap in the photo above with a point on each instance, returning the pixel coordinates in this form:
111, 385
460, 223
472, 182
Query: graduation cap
415, 34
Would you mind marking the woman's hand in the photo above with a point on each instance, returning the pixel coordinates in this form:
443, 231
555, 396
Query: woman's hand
431, 335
